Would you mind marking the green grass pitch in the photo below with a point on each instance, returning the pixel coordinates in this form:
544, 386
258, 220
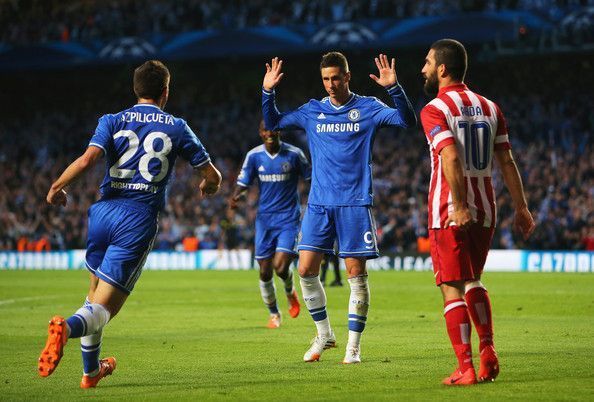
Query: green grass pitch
202, 336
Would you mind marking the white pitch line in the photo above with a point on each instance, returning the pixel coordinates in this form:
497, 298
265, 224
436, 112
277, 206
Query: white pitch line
25, 299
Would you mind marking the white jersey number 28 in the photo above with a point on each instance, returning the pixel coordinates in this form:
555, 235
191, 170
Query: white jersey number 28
150, 153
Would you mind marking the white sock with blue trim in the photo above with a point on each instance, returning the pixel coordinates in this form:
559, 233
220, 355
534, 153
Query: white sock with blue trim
87, 320
315, 300
268, 292
358, 308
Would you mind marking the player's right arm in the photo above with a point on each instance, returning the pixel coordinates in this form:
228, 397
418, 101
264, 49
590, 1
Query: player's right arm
452, 171
244, 180
57, 194
441, 140
273, 119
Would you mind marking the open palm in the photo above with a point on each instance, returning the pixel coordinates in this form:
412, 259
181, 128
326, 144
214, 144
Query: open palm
386, 70
273, 74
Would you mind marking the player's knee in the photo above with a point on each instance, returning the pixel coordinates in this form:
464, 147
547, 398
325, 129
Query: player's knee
472, 285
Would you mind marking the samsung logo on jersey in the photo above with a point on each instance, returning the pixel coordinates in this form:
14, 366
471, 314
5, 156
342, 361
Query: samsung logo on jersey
337, 127
130, 117
274, 177
471, 111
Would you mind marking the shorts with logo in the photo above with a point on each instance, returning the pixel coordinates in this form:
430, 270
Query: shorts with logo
121, 234
459, 255
353, 228
276, 232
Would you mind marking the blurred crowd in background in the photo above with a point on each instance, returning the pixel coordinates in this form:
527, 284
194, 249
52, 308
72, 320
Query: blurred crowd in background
34, 21
547, 103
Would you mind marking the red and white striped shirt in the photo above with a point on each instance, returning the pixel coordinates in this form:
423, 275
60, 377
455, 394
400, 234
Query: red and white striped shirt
477, 127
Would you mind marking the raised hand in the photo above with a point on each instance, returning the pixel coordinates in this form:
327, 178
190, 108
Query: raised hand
524, 223
273, 74
386, 70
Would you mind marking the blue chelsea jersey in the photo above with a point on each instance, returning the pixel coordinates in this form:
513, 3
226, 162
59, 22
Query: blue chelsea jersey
277, 176
141, 145
340, 141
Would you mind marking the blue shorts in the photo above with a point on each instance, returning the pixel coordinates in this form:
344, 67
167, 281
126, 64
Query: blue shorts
276, 232
121, 234
353, 228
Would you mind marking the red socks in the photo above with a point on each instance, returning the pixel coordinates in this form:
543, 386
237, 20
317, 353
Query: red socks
458, 325
479, 308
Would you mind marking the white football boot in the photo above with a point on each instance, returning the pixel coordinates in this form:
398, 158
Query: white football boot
352, 355
318, 345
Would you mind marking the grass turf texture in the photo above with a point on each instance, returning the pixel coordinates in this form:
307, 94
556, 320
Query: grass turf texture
202, 336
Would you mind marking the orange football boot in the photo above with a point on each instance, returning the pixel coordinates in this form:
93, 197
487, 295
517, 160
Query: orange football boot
51, 354
295, 307
461, 378
489, 368
274, 321
106, 367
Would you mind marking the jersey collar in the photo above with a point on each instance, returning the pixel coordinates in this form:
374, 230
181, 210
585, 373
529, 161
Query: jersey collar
148, 105
341, 106
454, 87
280, 148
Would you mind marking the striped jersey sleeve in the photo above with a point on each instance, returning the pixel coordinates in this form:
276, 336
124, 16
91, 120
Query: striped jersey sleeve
435, 126
501, 136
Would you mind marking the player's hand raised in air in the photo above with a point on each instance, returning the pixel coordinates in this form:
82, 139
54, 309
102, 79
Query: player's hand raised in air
273, 74
57, 197
386, 70
523, 222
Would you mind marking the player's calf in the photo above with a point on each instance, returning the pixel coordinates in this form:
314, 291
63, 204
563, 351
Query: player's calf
358, 309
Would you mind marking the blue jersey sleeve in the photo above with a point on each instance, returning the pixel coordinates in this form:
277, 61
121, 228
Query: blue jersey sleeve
402, 115
304, 166
247, 174
191, 149
275, 120
103, 134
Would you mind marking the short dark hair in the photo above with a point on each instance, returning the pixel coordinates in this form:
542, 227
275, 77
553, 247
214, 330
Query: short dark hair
335, 59
452, 54
150, 79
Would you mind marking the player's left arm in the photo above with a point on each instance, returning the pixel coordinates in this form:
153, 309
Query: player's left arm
57, 194
403, 114
211, 179
523, 221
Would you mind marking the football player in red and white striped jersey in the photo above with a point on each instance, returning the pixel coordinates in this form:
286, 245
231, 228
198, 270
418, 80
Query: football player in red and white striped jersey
464, 131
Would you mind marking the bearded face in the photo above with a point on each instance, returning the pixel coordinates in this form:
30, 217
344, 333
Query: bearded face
431, 85
429, 72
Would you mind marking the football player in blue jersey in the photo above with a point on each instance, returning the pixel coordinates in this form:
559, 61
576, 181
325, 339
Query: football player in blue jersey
140, 146
277, 166
340, 131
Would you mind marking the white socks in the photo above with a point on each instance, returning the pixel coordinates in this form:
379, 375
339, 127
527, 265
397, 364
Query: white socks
268, 292
358, 307
315, 300
87, 320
